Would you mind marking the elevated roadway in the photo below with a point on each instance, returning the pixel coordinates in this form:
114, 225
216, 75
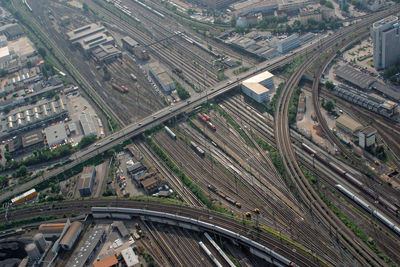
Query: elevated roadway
165, 114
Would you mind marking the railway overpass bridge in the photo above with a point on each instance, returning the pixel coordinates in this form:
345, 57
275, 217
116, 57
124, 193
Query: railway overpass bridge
272, 247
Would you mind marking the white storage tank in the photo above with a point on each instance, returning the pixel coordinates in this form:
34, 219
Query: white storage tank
40, 242
32, 251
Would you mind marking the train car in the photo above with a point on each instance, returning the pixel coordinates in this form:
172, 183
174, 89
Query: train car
308, 149
388, 205
206, 117
211, 126
118, 88
133, 77
170, 133
336, 168
24, 197
125, 89
369, 209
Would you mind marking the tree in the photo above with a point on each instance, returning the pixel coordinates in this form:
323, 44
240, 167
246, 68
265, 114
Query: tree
7, 155
329, 106
42, 52
329, 85
6, 109
22, 171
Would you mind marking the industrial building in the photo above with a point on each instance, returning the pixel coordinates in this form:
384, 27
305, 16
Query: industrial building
288, 43
30, 194
258, 87
55, 135
84, 253
386, 38
161, 77
11, 31
348, 125
71, 236
383, 107
129, 44
90, 36
31, 117
25, 143
87, 125
367, 137
120, 226
141, 52
106, 53
86, 181
51, 230
130, 258
365, 82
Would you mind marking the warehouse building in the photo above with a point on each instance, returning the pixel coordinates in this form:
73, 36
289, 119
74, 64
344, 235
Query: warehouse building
258, 87
130, 258
87, 124
51, 230
288, 43
348, 125
129, 44
120, 226
90, 37
367, 137
11, 31
161, 77
93, 239
70, 237
27, 118
86, 181
106, 53
55, 135
385, 108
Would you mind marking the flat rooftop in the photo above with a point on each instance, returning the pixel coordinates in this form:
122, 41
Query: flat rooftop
386, 20
83, 253
84, 31
354, 76
254, 83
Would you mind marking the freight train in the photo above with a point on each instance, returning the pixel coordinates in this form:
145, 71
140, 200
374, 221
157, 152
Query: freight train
349, 177
119, 88
219, 193
369, 209
197, 149
24, 197
206, 119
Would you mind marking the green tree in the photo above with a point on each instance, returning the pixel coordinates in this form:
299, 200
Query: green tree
6, 109
42, 52
7, 155
22, 171
329, 85
329, 106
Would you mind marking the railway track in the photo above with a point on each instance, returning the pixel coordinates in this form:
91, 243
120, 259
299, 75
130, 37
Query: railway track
174, 181
167, 54
363, 254
83, 206
310, 238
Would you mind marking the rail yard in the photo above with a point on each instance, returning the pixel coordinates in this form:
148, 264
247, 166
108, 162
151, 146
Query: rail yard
190, 133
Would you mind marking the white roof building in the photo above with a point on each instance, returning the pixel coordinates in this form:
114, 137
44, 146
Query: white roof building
130, 257
259, 86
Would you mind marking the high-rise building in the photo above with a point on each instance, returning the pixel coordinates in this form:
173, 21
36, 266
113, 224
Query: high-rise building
386, 38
